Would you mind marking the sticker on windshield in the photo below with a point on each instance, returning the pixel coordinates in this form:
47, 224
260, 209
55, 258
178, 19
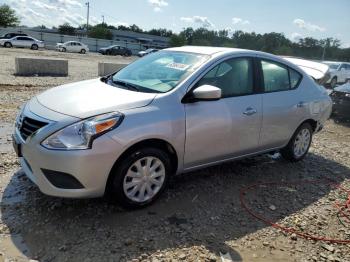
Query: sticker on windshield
177, 66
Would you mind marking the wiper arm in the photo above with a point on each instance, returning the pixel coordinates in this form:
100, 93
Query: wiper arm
126, 84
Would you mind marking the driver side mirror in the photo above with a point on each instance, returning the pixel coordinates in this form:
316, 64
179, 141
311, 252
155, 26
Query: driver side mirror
204, 93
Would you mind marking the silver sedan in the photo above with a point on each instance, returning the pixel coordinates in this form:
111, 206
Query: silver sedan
124, 135
22, 41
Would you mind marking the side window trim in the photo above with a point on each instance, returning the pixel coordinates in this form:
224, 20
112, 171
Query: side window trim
261, 75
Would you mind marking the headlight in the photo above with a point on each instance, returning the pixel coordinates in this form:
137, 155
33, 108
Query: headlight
81, 135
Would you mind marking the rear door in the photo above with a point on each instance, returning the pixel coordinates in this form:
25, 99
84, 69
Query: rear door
283, 104
229, 127
27, 41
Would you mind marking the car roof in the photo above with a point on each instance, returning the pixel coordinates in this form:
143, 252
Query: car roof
313, 69
206, 50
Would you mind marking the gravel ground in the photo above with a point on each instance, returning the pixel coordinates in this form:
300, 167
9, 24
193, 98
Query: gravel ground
199, 216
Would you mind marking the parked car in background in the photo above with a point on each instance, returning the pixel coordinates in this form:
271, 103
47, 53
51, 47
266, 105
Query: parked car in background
115, 50
147, 52
22, 41
339, 72
73, 47
11, 35
178, 110
341, 100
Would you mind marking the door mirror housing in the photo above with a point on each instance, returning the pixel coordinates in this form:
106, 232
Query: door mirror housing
206, 93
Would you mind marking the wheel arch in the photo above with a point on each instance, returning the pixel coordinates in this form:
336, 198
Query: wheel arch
153, 143
312, 122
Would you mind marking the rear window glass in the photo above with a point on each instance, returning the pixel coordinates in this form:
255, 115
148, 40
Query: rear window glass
295, 78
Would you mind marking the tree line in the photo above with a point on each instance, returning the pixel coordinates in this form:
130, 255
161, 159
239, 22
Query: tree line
275, 43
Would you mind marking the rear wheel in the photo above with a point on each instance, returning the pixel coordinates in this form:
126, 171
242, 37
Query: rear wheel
8, 44
64, 49
83, 51
299, 144
334, 82
34, 47
140, 178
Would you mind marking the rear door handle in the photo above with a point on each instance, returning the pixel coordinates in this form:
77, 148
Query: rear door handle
250, 111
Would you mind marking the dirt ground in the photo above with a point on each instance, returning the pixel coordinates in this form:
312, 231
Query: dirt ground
198, 217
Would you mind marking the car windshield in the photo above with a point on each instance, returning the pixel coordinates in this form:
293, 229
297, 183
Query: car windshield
333, 65
159, 72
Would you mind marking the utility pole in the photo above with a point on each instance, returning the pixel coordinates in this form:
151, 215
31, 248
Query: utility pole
324, 51
103, 19
87, 16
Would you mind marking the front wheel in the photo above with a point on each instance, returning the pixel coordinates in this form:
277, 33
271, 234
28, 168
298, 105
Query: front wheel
8, 45
83, 51
34, 47
140, 178
299, 144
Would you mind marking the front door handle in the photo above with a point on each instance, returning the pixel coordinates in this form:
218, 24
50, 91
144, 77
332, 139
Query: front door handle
250, 111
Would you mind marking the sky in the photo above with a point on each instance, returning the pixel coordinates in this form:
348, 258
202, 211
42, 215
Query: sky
294, 18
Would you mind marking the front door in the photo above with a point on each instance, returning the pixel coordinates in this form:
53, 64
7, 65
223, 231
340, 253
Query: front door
229, 127
19, 41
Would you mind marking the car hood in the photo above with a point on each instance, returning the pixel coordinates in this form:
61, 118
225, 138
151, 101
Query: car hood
92, 97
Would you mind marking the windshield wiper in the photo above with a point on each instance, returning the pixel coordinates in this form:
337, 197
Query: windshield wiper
126, 84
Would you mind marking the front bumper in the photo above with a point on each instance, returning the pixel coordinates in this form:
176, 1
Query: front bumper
90, 167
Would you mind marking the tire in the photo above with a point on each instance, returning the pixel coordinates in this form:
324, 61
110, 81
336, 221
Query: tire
83, 51
333, 82
64, 49
34, 47
8, 45
299, 144
125, 187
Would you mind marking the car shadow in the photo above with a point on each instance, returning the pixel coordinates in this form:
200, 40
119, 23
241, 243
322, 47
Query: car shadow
199, 209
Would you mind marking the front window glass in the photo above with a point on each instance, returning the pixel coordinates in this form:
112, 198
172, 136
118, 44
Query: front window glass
234, 77
159, 72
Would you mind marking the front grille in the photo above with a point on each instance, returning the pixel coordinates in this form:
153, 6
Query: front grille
29, 126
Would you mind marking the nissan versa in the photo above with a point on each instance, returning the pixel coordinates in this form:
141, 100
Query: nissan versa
177, 110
